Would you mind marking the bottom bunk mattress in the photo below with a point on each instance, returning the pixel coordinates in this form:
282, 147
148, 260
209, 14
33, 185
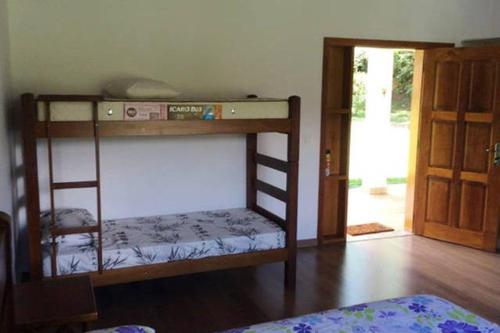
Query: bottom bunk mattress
414, 314
159, 239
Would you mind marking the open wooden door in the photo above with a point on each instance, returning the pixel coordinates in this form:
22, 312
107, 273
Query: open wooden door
457, 196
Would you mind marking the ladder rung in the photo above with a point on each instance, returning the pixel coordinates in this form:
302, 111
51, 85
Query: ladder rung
67, 185
75, 230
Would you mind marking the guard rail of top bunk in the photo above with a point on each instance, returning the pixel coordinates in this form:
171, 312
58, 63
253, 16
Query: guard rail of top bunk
35, 129
66, 129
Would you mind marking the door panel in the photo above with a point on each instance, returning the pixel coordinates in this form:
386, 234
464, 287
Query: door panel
482, 86
438, 190
457, 186
442, 144
477, 136
446, 81
472, 206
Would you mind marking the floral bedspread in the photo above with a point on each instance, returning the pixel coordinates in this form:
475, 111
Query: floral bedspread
126, 329
158, 239
414, 314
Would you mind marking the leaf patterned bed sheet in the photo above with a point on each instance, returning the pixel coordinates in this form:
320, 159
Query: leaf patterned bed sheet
159, 239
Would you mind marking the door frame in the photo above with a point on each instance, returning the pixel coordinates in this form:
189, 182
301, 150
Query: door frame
346, 78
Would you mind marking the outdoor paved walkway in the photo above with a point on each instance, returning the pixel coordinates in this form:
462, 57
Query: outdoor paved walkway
387, 209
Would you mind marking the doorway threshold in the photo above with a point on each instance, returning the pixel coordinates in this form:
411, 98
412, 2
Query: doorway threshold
390, 234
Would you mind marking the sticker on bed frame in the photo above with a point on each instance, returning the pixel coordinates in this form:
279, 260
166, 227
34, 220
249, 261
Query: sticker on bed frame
145, 111
194, 111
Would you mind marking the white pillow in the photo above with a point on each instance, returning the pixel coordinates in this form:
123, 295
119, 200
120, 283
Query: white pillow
140, 88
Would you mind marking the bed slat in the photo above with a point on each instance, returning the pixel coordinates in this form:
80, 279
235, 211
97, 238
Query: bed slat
115, 128
70, 185
272, 162
174, 268
75, 230
272, 190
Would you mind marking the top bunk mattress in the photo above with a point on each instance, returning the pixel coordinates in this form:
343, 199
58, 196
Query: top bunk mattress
159, 239
117, 110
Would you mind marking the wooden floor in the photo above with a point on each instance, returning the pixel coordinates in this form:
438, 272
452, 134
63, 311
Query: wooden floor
328, 277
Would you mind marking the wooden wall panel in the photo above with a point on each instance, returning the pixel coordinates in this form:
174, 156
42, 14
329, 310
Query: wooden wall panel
438, 197
333, 90
477, 141
344, 136
330, 207
472, 205
333, 130
442, 144
342, 205
335, 135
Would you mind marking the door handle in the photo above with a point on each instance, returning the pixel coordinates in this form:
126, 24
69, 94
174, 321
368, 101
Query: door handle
496, 154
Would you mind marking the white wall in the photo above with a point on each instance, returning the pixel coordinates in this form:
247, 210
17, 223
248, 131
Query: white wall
5, 175
496, 19
208, 48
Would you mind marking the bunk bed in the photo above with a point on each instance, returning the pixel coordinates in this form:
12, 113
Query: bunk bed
167, 245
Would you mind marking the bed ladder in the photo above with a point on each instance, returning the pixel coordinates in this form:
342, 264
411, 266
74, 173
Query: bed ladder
55, 186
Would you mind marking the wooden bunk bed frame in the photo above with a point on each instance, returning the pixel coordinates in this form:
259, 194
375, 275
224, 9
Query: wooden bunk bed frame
33, 130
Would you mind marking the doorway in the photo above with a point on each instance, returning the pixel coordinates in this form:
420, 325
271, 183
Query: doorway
380, 142
453, 183
341, 128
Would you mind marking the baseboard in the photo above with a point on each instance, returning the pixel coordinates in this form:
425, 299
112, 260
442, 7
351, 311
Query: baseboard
312, 242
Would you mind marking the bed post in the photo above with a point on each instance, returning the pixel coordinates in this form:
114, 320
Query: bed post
31, 185
251, 171
292, 183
